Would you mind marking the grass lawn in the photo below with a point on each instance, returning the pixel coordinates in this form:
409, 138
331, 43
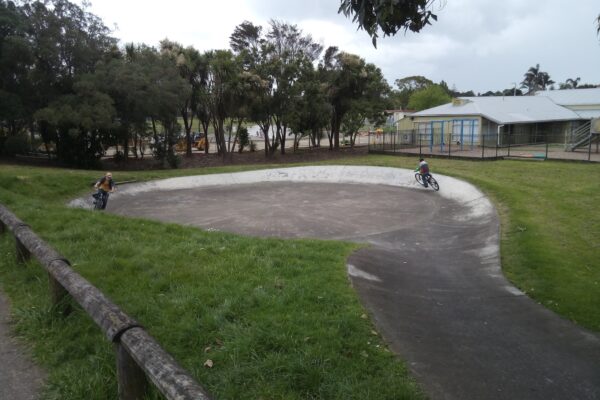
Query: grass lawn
277, 317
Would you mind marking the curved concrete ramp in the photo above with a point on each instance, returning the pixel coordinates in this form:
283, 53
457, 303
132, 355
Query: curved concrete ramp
431, 277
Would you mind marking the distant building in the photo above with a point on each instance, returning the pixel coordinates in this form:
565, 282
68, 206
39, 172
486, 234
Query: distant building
557, 115
400, 119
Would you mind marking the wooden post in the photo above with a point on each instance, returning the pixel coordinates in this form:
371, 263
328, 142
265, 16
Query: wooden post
160, 367
132, 381
2, 228
59, 296
22, 253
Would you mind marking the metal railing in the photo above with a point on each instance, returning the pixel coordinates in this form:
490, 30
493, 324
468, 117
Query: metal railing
579, 137
537, 145
139, 357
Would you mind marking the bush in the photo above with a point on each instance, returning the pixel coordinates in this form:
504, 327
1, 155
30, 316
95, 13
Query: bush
243, 138
173, 159
14, 145
120, 156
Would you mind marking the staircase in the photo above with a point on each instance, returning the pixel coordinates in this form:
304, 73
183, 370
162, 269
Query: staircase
579, 137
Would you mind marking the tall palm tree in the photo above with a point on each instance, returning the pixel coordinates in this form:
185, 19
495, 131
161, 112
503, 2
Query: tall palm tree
535, 80
572, 83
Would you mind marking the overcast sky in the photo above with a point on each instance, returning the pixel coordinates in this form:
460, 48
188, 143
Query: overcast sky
477, 45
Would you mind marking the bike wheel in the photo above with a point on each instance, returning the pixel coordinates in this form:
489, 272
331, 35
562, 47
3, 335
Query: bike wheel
419, 178
98, 201
434, 183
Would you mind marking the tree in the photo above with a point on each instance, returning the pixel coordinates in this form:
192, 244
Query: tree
273, 67
348, 78
16, 60
388, 15
253, 51
158, 93
188, 63
535, 80
203, 102
66, 42
224, 89
569, 83
310, 111
407, 86
429, 97
79, 121
289, 52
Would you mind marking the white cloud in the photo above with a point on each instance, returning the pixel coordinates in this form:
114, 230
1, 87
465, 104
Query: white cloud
475, 44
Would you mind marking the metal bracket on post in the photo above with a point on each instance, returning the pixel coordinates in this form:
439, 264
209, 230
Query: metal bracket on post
132, 381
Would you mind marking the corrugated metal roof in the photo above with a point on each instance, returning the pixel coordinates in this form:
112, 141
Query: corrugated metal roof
588, 114
573, 97
504, 110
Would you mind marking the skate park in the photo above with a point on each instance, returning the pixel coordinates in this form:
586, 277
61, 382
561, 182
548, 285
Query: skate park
429, 276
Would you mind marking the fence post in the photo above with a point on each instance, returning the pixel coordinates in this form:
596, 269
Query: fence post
497, 143
58, 294
590, 147
482, 146
22, 253
2, 228
132, 381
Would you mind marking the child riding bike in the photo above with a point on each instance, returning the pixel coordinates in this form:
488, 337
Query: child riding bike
105, 185
423, 169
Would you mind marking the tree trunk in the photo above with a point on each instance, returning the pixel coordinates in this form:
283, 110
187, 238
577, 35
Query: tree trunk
282, 138
126, 142
188, 121
157, 143
135, 145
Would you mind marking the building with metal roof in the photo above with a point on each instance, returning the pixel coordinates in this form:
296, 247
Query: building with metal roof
585, 102
558, 116
503, 110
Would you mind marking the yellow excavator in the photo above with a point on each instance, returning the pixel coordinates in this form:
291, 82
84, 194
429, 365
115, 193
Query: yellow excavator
198, 143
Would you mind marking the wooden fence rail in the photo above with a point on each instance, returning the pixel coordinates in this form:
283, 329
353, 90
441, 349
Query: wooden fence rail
139, 356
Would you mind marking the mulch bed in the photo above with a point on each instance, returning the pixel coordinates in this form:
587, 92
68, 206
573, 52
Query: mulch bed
199, 160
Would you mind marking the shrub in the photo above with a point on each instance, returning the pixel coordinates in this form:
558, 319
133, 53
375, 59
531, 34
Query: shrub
173, 159
14, 145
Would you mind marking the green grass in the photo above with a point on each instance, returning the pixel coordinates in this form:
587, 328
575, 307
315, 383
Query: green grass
277, 317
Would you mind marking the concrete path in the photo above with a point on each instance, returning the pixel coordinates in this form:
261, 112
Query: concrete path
20, 379
431, 277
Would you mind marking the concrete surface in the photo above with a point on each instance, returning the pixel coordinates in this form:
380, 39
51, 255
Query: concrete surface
431, 278
20, 379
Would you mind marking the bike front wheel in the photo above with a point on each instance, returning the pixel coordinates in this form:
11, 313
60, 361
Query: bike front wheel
419, 178
434, 183
98, 201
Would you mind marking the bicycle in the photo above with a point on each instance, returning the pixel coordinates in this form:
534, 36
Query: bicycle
98, 200
430, 180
